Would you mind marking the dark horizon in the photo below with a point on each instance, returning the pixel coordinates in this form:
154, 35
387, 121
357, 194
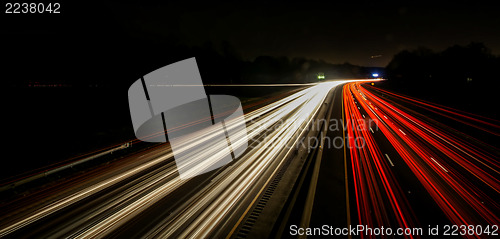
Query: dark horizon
366, 35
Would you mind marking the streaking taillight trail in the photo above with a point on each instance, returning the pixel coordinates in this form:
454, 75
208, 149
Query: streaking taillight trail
461, 177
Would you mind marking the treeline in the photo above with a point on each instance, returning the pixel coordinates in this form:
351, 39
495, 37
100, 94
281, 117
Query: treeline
457, 66
222, 64
117, 60
458, 75
266, 69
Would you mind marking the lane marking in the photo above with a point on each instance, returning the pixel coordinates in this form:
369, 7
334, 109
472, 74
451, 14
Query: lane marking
441, 166
348, 210
390, 161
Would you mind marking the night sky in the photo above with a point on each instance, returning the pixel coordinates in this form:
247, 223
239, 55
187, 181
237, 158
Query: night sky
368, 33
336, 33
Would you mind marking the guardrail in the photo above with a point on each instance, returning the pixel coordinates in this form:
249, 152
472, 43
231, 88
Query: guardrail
58, 169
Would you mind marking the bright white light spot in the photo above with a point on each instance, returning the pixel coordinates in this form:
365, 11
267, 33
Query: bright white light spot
375, 74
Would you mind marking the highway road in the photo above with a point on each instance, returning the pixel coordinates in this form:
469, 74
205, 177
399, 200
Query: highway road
413, 171
400, 162
144, 196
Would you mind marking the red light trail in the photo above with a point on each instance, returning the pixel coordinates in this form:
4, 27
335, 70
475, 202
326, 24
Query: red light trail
461, 177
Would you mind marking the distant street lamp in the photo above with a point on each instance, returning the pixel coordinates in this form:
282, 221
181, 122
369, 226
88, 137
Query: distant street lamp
321, 76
